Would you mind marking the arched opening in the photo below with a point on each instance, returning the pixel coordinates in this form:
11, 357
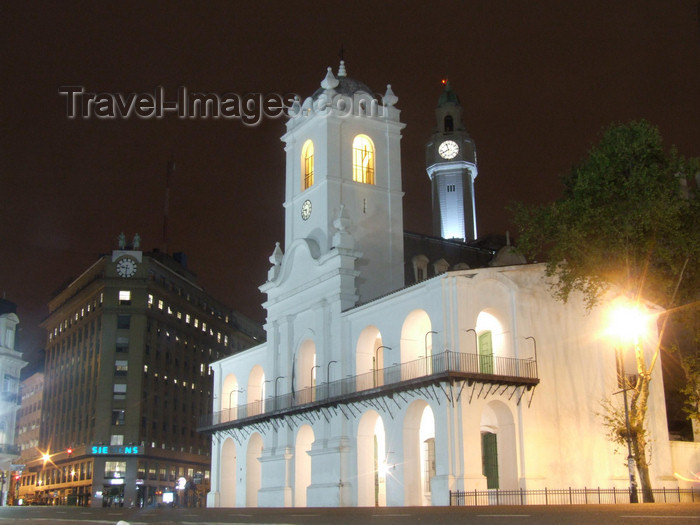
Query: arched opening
256, 391
491, 341
253, 470
371, 461
306, 371
227, 467
420, 466
302, 464
416, 344
498, 447
229, 398
363, 159
449, 123
307, 165
369, 359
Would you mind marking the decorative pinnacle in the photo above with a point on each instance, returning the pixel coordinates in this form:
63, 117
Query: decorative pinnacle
330, 82
389, 97
341, 69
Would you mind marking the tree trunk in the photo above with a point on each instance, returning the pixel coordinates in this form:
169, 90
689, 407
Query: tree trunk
637, 414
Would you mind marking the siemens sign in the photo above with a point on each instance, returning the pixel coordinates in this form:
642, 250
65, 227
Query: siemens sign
103, 450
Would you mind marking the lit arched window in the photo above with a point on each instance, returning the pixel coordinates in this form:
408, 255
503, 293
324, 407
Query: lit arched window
363, 159
307, 165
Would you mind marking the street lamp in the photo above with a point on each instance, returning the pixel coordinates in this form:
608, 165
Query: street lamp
627, 323
313, 393
426, 341
376, 361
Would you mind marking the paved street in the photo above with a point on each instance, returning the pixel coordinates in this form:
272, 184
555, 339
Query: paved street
678, 514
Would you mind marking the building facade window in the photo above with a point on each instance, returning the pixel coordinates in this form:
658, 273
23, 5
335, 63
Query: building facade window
119, 391
363, 159
115, 469
121, 368
124, 297
307, 165
122, 344
117, 417
123, 321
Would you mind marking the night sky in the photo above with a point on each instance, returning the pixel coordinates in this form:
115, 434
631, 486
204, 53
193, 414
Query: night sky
538, 80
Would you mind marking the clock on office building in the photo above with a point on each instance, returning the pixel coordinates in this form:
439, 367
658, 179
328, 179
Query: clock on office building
126, 267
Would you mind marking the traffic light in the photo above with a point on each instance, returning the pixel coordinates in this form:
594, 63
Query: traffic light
17, 477
69, 451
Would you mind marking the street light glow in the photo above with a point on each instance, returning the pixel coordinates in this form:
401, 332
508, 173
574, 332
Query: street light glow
627, 321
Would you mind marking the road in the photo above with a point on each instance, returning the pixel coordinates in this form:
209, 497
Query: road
677, 514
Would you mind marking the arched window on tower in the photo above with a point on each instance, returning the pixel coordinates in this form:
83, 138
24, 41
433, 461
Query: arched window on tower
363, 159
307, 165
449, 125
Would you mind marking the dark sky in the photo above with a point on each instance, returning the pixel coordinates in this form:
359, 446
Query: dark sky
538, 80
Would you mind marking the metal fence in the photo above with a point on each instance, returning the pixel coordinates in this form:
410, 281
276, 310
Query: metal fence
568, 496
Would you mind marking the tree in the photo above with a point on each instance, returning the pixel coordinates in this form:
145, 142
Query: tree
628, 218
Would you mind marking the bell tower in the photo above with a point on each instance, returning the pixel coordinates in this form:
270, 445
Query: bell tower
451, 166
343, 184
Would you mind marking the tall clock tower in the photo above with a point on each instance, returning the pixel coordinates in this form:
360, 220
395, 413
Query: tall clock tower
451, 166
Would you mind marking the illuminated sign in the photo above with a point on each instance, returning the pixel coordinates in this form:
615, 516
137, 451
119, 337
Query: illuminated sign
121, 450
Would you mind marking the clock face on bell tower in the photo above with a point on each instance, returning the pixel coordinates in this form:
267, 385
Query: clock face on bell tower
448, 149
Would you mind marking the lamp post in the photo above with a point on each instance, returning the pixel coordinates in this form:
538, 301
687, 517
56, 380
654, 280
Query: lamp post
328, 377
277, 379
428, 368
534, 342
313, 393
634, 498
626, 324
376, 361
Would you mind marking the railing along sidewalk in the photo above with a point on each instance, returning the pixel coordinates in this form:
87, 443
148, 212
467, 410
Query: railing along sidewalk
569, 496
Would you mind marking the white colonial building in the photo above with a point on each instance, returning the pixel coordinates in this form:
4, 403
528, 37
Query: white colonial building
399, 368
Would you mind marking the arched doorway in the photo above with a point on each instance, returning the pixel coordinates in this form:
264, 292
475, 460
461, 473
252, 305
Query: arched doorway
305, 371
371, 461
302, 464
256, 391
419, 453
369, 359
498, 446
491, 342
416, 344
229, 398
227, 468
253, 470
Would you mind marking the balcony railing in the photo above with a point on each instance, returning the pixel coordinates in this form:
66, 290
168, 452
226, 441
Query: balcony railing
446, 366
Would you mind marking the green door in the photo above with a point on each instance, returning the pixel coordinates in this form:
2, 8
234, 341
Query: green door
485, 353
489, 459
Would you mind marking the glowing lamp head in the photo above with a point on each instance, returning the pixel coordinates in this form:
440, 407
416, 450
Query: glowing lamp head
627, 321
46, 457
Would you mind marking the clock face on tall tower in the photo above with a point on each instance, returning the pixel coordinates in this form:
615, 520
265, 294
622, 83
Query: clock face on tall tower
126, 267
448, 149
306, 209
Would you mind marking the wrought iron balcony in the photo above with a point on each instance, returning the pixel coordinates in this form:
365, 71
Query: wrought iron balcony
446, 367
